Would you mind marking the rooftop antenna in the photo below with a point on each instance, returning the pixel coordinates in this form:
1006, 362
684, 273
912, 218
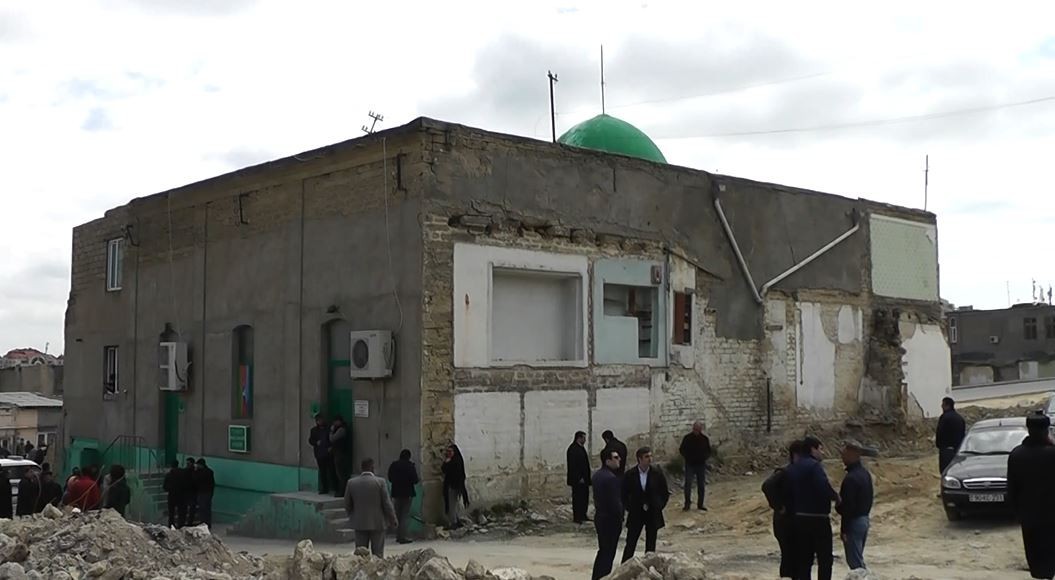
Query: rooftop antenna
552, 107
376, 117
602, 79
926, 179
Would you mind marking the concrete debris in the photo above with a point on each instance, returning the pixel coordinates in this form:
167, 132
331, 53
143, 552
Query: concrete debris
862, 574
475, 571
510, 574
652, 566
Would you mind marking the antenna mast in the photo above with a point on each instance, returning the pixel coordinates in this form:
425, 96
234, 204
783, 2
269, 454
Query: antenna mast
376, 117
926, 180
602, 79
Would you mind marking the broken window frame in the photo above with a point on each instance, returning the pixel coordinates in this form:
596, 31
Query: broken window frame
681, 329
111, 371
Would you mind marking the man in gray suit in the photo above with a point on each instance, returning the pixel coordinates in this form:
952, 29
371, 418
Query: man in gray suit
369, 509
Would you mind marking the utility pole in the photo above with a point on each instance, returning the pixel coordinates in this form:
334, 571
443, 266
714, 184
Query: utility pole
552, 106
926, 180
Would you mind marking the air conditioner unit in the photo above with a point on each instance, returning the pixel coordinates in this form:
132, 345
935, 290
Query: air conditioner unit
373, 354
173, 366
994, 339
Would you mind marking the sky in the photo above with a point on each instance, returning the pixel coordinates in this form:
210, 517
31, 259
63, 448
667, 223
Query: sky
102, 101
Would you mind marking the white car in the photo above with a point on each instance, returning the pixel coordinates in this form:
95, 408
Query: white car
16, 468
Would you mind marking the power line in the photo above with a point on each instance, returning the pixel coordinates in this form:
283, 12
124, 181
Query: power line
880, 122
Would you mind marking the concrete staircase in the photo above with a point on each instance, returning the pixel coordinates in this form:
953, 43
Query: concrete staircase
149, 500
297, 516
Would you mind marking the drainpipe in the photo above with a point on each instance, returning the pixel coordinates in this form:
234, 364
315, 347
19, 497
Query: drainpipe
812, 257
736, 247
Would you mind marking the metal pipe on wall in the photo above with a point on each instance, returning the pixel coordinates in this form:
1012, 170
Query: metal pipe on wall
736, 248
810, 258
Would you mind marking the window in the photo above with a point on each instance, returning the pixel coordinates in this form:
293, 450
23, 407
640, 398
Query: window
1049, 327
114, 257
535, 316
1030, 328
111, 371
954, 332
636, 302
242, 373
682, 319
45, 440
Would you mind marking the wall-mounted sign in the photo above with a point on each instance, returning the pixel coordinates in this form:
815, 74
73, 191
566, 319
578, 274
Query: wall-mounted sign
362, 408
238, 438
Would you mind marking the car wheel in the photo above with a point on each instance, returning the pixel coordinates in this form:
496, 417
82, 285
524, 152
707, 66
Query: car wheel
953, 515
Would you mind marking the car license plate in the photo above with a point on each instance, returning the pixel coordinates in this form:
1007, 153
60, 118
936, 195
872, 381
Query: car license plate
986, 497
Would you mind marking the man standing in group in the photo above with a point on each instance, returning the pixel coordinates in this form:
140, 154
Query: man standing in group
695, 450
645, 494
369, 509
190, 494
403, 476
775, 488
173, 487
613, 444
579, 477
856, 495
339, 438
319, 439
607, 513
1030, 481
949, 434
810, 503
204, 487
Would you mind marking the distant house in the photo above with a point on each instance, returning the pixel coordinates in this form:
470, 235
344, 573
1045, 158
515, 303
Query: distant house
1010, 344
29, 417
29, 370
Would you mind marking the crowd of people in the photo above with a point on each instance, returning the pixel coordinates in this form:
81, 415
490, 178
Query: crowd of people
189, 492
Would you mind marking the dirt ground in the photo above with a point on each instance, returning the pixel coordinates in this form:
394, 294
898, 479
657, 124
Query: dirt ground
910, 537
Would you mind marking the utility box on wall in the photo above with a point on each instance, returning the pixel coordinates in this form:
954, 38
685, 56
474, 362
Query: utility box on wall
373, 354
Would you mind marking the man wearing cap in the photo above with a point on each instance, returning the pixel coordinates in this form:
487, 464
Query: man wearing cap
857, 495
1030, 479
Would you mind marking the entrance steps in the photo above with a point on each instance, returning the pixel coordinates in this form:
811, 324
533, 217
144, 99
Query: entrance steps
296, 516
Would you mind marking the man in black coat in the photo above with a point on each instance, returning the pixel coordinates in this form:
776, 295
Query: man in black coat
7, 508
613, 444
949, 434
403, 476
579, 477
174, 491
608, 512
50, 490
1030, 480
319, 439
189, 495
645, 494
695, 450
204, 487
28, 493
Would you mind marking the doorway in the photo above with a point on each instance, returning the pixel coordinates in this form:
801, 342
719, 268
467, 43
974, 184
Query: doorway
170, 425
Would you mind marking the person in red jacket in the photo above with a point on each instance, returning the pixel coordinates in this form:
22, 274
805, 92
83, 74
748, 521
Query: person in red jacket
83, 492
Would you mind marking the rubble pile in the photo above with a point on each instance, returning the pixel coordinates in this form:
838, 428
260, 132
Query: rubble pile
101, 544
543, 516
653, 566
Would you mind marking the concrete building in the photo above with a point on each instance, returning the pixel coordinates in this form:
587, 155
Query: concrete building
1009, 344
29, 370
29, 417
533, 289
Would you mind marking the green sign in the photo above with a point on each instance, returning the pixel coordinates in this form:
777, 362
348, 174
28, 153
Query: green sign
238, 438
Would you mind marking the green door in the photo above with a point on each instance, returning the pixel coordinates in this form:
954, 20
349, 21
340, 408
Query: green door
171, 425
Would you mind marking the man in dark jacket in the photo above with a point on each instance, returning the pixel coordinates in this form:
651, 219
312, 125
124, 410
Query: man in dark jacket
810, 503
28, 493
613, 444
579, 477
7, 508
857, 495
189, 506
319, 439
608, 512
645, 494
118, 495
403, 476
695, 450
204, 487
174, 492
340, 438
50, 490
775, 488
1030, 480
949, 434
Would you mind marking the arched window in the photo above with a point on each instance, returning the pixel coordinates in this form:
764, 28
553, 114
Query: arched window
242, 375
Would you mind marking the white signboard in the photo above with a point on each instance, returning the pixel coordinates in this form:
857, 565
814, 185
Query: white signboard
362, 408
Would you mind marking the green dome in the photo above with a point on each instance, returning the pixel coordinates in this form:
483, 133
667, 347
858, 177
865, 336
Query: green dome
606, 133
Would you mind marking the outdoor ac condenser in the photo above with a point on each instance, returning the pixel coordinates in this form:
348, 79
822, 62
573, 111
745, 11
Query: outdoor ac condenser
173, 367
373, 354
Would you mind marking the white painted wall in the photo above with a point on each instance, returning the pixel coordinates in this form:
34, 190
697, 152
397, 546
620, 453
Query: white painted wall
551, 419
472, 300
623, 411
927, 367
850, 323
487, 430
816, 388
776, 331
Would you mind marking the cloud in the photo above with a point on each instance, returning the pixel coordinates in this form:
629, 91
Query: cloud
13, 27
240, 157
202, 8
97, 120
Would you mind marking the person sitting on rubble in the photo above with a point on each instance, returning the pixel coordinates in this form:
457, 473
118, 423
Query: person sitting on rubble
118, 495
83, 492
50, 490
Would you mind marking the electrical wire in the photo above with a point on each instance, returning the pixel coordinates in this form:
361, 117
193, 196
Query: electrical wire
388, 235
878, 122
